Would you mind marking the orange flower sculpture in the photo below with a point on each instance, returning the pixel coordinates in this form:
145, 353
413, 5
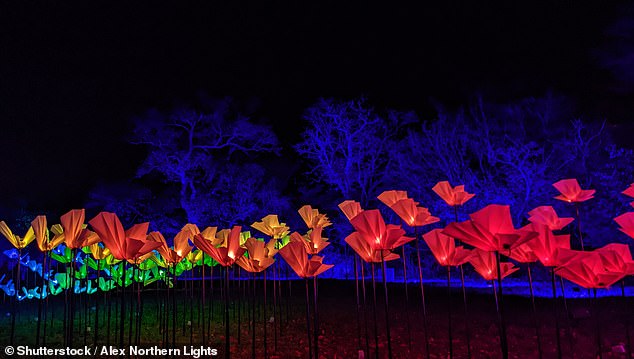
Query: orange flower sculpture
129, 245
297, 258
587, 270
313, 218
547, 246
630, 192
484, 262
229, 249
366, 252
260, 255
490, 229
444, 249
181, 244
572, 192
454, 196
626, 221
42, 235
313, 241
271, 226
616, 258
407, 209
17, 241
75, 233
372, 227
350, 208
546, 215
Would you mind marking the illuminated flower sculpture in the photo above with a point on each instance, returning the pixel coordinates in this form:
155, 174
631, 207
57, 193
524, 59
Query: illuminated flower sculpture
128, 245
572, 192
271, 226
181, 244
372, 228
546, 215
448, 255
295, 255
17, 241
313, 241
626, 223
454, 196
356, 241
260, 255
491, 229
313, 218
350, 208
484, 262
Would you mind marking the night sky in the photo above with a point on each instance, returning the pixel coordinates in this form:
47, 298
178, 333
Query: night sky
73, 74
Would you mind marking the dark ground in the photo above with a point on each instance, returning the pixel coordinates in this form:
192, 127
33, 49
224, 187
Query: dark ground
338, 323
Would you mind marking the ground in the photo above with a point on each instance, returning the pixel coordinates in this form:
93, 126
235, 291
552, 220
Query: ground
341, 335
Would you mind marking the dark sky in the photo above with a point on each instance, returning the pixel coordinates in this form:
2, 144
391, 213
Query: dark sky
72, 74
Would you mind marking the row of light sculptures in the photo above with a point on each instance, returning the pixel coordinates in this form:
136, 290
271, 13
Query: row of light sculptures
489, 232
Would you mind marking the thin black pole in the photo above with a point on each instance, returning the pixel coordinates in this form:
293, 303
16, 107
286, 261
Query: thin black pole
409, 331
41, 300
503, 339
534, 308
422, 294
626, 320
122, 305
387, 314
356, 287
310, 347
579, 226
253, 319
597, 319
464, 297
227, 332
315, 318
556, 312
365, 310
266, 352
376, 327
449, 311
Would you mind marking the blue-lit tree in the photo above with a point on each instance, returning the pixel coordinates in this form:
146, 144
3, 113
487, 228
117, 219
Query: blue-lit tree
347, 145
210, 157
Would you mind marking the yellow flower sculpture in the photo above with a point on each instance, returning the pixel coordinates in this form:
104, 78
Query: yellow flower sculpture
271, 226
17, 241
313, 218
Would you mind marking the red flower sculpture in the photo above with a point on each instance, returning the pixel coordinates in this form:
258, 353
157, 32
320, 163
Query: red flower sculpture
523, 254
350, 208
371, 226
484, 263
546, 215
127, 245
389, 198
366, 252
296, 257
572, 192
228, 251
444, 249
407, 209
626, 221
455, 196
616, 258
547, 246
490, 229
586, 269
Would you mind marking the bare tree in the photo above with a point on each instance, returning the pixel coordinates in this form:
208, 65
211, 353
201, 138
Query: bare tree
347, 144
192, 149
